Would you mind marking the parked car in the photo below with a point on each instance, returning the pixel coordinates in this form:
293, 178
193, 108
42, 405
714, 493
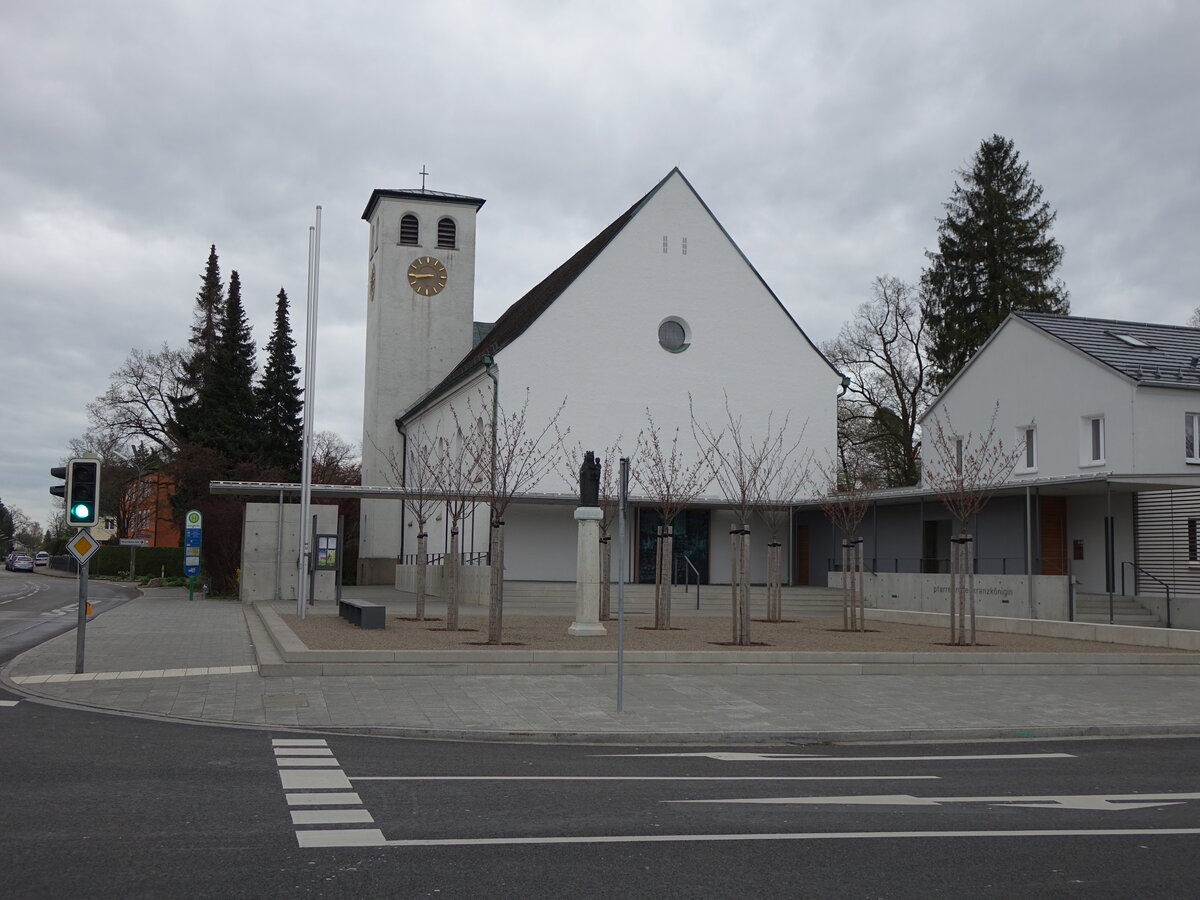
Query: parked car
8, 561
41, 558
22, 563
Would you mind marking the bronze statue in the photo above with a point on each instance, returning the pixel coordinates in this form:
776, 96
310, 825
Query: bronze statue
589, 480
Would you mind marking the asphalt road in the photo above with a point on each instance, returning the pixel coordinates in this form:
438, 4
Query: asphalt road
97, 805
36, 606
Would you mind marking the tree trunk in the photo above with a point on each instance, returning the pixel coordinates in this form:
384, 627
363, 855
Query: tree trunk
862, 586
971, 582
662, 609
852, 577
845, 586
744, 587
774, 581
953, 595
422, 571
605, 577
496, 601
735, 584
451, 564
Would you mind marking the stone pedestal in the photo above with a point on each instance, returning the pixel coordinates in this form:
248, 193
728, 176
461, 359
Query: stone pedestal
587, 574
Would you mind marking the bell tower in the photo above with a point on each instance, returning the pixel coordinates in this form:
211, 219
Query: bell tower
420, 310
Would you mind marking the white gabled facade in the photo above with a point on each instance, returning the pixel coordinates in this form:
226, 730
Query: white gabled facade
590, 336
1108, 406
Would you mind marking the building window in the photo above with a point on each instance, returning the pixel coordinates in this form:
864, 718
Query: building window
1191, 437
958, 455
410, 231
1193, 556
1092, 441
447, 233
674, 335
1027, 436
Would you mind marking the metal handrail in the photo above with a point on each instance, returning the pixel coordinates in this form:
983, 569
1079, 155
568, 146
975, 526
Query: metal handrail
1137, 568
686, 579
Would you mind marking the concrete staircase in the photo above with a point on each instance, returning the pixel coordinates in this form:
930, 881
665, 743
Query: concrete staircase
1127, 610
558, 597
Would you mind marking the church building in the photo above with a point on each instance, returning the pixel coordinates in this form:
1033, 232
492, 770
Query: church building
660, 317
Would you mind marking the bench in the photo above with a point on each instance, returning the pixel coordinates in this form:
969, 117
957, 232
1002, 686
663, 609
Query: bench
362, 613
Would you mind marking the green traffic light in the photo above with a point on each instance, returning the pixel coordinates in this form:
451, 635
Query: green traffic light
81, 511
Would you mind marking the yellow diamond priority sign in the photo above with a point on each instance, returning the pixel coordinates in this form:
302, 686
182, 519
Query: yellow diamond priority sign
82, 546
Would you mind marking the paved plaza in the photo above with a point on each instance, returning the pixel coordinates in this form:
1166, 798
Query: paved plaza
162, 655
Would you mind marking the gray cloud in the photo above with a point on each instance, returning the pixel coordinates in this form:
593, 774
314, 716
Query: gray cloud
823, 135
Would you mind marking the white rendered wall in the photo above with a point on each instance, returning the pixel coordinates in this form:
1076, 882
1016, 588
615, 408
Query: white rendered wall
597, 345
1037, 379
412, 343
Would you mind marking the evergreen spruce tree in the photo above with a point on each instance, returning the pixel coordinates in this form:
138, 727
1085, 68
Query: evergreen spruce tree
203, 343
995, 255
226, 405
279, 397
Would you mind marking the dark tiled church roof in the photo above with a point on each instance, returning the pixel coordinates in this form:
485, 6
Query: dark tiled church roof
1153, 355
418, 194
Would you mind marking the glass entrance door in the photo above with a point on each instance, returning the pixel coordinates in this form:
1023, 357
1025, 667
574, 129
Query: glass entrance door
691, 532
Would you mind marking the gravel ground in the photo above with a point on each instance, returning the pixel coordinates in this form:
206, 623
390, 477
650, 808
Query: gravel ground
329, 632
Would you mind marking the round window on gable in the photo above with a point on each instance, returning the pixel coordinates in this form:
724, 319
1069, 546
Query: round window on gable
674, 335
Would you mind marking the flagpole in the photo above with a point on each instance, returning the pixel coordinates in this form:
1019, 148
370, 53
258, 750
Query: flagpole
304, 527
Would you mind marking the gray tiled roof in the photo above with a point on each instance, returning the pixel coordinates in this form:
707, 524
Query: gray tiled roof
1170, 356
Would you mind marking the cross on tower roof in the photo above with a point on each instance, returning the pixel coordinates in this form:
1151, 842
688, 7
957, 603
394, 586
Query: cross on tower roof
422, 173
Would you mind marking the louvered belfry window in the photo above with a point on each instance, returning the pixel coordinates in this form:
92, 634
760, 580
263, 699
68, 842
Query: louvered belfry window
447, 233
410, 231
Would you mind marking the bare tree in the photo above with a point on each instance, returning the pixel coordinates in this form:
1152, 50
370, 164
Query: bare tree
786, 478
451, 466
845, 503
671, 483
138, 403
511, 456
882, 350
967, 470
420, 499
743, 465
334, 460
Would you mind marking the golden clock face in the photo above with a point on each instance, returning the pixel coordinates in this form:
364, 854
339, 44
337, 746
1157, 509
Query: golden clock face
427, 275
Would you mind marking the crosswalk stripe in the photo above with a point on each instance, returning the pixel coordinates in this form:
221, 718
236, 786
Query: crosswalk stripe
330, 816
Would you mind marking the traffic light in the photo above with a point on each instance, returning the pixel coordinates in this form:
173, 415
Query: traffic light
59, 490
83, 492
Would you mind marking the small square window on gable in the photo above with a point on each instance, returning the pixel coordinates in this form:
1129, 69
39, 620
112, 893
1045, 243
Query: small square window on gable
1091, 441
1191, 437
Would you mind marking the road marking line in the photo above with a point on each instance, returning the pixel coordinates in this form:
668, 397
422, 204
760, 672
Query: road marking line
310, 779
325, 799
819, 757
9, 702
1105, 802
342, 837
772, 778
303, 751
370, 841
330, 816
299, 742
309, 762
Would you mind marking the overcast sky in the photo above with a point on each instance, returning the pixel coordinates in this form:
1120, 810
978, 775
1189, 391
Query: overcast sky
823, 134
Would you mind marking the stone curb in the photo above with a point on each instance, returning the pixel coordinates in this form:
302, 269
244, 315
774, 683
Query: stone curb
282, 654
